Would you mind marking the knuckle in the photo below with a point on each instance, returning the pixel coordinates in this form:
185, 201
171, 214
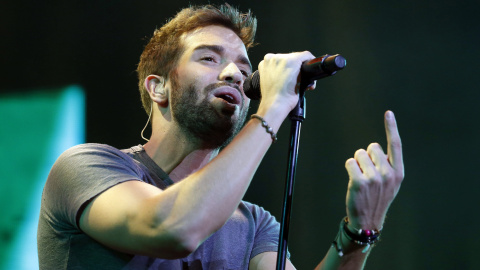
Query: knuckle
350, 162
396, 144
374, 146
375, 149
307, 53
359, 152
268, 56
388, 174
357, 184
374, 178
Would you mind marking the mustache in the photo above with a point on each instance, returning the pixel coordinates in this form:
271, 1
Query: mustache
213, 86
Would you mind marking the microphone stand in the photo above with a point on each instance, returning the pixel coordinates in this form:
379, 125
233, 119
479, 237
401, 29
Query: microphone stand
297, 115
318, 68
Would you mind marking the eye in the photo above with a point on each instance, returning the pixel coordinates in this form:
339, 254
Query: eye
208, 59
244, 73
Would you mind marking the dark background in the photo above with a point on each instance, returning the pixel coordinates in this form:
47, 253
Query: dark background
417, 58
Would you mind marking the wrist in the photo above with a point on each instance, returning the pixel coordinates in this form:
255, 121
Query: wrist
273, 113
268, 129
278, 102
365, 222
350, 239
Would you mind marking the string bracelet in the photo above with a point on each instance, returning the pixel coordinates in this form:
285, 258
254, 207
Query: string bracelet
266, 126
337, 242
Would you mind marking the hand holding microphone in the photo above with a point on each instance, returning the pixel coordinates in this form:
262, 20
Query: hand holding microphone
315, 69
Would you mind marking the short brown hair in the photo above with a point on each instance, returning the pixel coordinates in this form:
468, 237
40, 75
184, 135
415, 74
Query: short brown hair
162, 52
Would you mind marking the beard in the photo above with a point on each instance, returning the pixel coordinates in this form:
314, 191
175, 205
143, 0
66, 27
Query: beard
200, 120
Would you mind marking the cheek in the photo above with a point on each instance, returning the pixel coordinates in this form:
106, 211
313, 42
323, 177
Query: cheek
246, 104
201, 76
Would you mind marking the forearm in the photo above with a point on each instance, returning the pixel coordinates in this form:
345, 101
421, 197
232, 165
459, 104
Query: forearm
375, 179
201, 203
352, 258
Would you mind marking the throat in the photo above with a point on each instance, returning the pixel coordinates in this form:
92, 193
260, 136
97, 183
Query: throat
192, 163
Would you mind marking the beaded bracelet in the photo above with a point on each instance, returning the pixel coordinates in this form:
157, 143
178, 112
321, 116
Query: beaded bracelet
360, 237
266, 126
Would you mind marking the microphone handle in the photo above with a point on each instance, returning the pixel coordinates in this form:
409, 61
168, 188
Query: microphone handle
315, 69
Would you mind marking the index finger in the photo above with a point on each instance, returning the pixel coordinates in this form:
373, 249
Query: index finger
394, 142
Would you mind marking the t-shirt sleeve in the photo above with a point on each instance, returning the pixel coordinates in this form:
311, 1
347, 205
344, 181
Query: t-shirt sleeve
267, 231
80, 174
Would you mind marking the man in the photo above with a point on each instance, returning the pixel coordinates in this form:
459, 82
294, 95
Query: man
176, 202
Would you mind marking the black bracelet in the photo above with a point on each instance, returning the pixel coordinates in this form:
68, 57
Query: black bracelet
361, 237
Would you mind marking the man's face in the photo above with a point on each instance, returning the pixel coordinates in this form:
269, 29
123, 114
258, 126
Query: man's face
207, 98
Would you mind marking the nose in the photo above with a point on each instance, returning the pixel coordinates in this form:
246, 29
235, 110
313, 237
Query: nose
232, 74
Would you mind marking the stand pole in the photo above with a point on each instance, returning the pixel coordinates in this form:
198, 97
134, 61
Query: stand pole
297, 115
318, 68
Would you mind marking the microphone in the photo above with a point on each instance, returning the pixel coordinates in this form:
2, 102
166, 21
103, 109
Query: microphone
315, 69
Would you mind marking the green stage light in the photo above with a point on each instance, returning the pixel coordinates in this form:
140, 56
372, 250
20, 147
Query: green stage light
35, 128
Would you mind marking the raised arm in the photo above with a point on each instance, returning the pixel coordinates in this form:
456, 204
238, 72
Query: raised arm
137, 218
375, 179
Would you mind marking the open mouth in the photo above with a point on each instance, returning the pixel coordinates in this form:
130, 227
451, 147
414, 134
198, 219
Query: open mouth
227, 97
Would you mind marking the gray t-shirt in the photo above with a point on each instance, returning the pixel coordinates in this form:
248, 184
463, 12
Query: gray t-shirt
85, 171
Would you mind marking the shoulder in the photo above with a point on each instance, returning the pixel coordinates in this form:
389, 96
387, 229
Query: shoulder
92, 154
258, 213
81, 173
92, 149
92, 162
255, 209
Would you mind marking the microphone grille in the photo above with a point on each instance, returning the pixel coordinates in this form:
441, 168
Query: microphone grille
251, 86
334, 62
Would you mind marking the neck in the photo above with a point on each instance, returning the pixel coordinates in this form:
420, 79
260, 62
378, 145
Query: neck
178, 155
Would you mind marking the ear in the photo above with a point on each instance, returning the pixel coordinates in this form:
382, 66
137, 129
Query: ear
155, 86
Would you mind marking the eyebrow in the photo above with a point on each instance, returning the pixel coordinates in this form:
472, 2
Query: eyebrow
220, 50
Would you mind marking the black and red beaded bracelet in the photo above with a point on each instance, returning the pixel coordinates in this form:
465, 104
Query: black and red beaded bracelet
361, 237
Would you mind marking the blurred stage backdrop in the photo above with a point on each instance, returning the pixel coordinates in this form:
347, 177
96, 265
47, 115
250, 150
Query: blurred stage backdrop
68, 77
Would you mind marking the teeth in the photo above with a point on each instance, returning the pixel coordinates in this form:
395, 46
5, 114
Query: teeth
227, 98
